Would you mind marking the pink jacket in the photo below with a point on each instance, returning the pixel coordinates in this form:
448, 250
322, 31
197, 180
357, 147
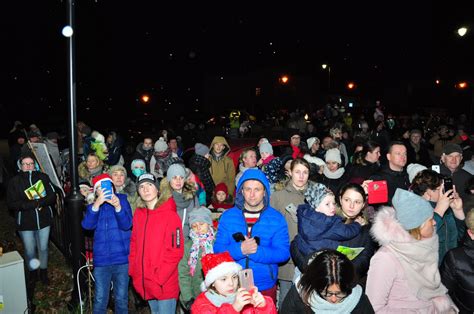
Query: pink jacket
387, 285
202, 305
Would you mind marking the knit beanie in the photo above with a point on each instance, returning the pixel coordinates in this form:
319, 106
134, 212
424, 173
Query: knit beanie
201, 149
315, 194
310, 141
160, 145
413, 170
175, 170
200, 214
136, 163
411, 210
266, 148
217, 265
333, 154
221, 187
117, 168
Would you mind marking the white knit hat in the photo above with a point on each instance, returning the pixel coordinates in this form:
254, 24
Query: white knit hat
310, 141
160, 145
333, 154
413, 170
314, 160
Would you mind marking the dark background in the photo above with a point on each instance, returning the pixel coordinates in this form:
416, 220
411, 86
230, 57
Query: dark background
200, 60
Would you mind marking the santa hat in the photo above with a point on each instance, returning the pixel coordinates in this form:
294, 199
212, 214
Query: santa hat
98, 179
217, 265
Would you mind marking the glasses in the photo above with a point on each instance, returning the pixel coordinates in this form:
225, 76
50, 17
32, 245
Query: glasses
339, 295
27, 163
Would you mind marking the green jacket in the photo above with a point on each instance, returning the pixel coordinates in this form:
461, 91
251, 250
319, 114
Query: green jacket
190, 286
450, 231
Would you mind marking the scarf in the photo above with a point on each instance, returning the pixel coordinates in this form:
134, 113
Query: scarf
296, 152
333, 175
180, 201
217, 300
419, 260
162, 160
320, 305
267, 160
222, 205
200, 241
95, 172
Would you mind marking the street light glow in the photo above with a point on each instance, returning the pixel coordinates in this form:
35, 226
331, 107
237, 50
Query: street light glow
145, 99
462, 31
284, 79
324, 66
351, 85
461, 85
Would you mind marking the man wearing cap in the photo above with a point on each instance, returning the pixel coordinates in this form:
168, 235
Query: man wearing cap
111, 218
254, 233
450, 166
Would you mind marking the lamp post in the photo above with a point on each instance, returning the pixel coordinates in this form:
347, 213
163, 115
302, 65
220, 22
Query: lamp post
74, 200
326, 66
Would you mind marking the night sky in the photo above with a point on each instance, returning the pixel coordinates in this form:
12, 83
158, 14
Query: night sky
209, 56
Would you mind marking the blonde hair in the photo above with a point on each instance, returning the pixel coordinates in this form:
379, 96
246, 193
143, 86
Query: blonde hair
470, 219
416, 232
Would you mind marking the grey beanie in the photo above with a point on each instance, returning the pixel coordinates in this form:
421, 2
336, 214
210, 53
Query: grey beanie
117, 168
411, 210
200, 214
175, 170
315, 194
266, 148
201, 149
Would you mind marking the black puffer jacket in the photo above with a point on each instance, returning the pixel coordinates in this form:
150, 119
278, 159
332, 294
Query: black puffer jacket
395, 179
457, 274
31, 214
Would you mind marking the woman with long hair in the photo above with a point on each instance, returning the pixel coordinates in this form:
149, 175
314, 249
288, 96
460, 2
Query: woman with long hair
327, 286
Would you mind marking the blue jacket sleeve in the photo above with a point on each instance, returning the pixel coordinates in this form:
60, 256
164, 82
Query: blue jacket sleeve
341, 231
90, 219
225, 241
279, 249
124, 216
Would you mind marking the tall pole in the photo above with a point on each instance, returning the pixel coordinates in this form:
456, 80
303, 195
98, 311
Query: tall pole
74, 201
329, 77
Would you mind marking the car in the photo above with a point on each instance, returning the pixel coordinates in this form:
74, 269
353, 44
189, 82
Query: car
237, 146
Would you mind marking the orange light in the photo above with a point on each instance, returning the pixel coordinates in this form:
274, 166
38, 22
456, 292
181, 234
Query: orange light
284, 79
145, 99
437, 82
351, 85
461, 85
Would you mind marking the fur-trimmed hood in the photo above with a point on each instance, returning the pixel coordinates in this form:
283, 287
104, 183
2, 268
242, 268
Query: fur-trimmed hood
387, 229
189, 191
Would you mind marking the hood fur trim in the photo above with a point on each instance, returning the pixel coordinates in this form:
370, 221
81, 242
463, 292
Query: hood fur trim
386, 228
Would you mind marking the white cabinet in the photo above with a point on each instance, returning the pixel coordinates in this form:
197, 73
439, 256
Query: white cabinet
12, 284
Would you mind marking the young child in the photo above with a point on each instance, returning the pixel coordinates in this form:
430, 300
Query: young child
318, 226
190, 270
221, 199
112, 221
221, 289
269, 164
200, 191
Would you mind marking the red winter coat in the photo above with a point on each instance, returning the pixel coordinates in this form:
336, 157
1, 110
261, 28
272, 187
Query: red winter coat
156, 247
202, 305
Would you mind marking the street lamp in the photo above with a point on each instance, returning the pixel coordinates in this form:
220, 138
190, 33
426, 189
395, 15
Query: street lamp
462, 31
284, 79
326, 66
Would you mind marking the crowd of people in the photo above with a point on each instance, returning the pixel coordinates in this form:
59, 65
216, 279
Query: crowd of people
304, 221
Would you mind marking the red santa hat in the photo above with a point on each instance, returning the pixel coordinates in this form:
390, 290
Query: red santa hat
217, 265
98, 179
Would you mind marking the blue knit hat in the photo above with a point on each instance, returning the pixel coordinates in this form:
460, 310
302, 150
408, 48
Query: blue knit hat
411, 210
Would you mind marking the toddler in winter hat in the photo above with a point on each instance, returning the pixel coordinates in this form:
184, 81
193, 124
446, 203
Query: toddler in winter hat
200, 214
266, 148
315, 194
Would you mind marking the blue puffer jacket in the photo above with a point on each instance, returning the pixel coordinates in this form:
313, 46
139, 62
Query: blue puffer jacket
317, 231
112, 232
271, 228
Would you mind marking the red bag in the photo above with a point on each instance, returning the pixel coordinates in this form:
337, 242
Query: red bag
378, 192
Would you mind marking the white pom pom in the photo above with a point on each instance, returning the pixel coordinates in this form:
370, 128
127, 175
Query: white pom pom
34, 263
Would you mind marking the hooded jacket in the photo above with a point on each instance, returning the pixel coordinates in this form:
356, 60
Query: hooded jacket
156, 247
31, 214
270, 228
112, 232
222, 167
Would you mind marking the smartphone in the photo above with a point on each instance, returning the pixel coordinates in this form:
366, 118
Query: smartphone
448, 184
106, 186
435, 168
246, 279
378, 192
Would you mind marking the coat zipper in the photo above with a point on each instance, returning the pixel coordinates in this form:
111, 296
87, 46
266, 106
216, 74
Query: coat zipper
143, 257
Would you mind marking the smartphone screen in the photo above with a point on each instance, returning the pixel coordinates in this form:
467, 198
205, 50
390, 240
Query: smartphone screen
246, 279
448, 184
106, 186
